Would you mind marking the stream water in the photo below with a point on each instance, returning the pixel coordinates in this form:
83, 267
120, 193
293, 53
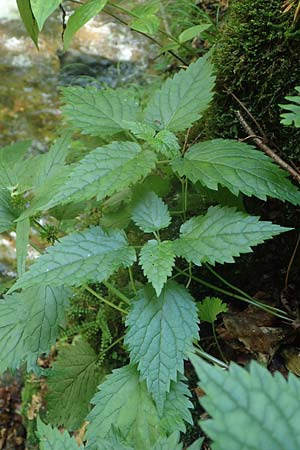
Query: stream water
103, 53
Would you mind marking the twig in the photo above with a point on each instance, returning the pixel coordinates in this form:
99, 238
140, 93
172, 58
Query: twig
291, 263
284, 165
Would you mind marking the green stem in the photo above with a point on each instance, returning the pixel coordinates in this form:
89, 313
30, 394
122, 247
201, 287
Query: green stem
200, 352
116, 292
35, 247
104, 300
235, 288
238, 297
131, 279
217, 343
114, 343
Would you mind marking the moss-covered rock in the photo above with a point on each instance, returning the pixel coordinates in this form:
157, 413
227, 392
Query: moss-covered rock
257, 58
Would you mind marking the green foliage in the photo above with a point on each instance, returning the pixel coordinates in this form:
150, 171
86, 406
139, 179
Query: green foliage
237, 166
240, 400
29, 21
80, 257
222, 234
52, 439
140, 177
171, 315
210, 308
29, 325
72, 382
293, 116
99, 112
150, 213
42, 10
124, 403
157, 260
80, 17
182, 99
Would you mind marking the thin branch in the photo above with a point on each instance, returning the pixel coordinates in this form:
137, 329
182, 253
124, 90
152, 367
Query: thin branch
284, 165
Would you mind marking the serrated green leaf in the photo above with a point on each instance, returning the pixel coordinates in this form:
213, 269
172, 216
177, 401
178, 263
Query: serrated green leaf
22, 241
141, 130
292, 117
210, 308
92, 254
182, 99
28, 19
249, 409
160, 332
166, 142
29, 325
42, 9
8, 214
123, 403
150, 213
222, 234
99, 112
157, 260
168, 443
53, 439
237, 166
192, 32
11, 157
147, 24
80, 17
197, 445
72, 382
105, 171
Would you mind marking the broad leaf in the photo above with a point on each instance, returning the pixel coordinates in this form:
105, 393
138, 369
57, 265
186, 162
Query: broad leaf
293, 116
192, 32
29, 325
105, 171
80, 17
161, 331
99, 112
72, 382
249, 409
150, 213
11, 157
165, 142
22, 241
42, 9
210, 308
222, 234
80, 257
182, 99
29, 21
53, 439
123, 403
237, 166
157, 260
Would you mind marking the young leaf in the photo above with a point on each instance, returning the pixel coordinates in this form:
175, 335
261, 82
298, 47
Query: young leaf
105, 171
192, 32
165, 142
80, 17
147, 24
42, 9
11, 156
123, 403
28, 19
293, 116
222, 234
157, 260
210, 308
22, 241
161, 331
99, 112
182, 99
29, 325
89, 255
150, 213
238, 400
53, 439
72, 382
237, 166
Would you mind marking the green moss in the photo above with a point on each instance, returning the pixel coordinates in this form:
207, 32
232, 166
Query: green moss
257, 58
